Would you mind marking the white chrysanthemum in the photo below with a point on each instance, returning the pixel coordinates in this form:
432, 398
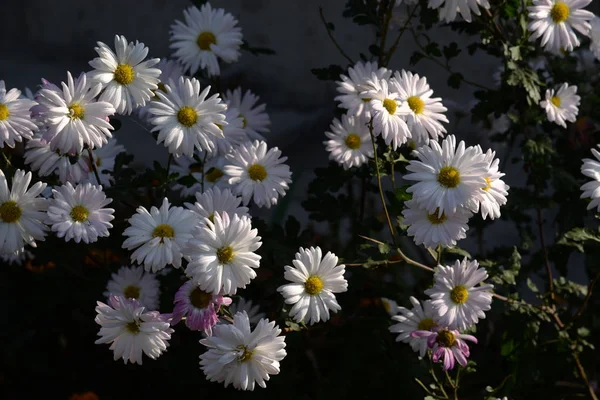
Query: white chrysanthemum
253, 311
221, 254
349, 141
448, 177
159, 235
216, 201
233, 132
389, 113
426, 113
595, 37
214, 177
186, 119
561, 106
135, 283
314, 279
78, 213
390, 306
72, 168
420, 318
493, 195
432, 229
21, 212
15, 117
457, 297
591, 169
104, 158
72, 117
128, 81
206, 34
242, 356
355, 84
170, 70
258, 174
449, 8
132, 330
255, 120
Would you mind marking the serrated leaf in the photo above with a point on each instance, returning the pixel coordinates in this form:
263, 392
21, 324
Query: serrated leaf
455, 80
416, 57
451, 51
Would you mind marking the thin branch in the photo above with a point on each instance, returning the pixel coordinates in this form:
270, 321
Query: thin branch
333, 39
93, 165
584, 377
587, 296
384, 29
545, 250
410, 261
397, 41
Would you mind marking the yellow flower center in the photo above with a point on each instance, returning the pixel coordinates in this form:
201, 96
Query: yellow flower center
187, 116
246, 354
161, 87
76, 111
225, 254
257, 172
488, 184
4, 113
205, 39
416, 104
199, 298
559, 13
133, 327
555, 100
10, 212
366, 99
426, 324
313, 285
79, 213
124, 74
449, 177
435, 218
214, 174
459, 294
390, 105
131, 292
196, 168
446, 338
163, 231
353, 141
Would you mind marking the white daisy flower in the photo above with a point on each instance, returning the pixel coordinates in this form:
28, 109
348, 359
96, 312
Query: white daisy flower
242, 356
554, 21
78, 213
314, 279
134, 283
258, 174
105, 158
221, 254
15, 117
426, 113
255, 120
389, 113
390, 306
591, 169
493, 195
128, 81
253, 311
170, 70
595, 37
420, 318
449, 8
216, 201
186, 119
233, 132
132, 330
355, 84
206, 34
448, 177
159, 235
213, 177
21, 213
18, 257
349, 141
457, 297
72, 117
432, 229
561, 106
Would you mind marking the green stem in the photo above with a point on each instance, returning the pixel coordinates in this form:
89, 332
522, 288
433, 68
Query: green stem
342, 52
397, 41
93, 164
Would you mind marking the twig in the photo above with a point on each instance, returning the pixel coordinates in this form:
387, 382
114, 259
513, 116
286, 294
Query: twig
93, 165
371, 239
584, 377
587, 296
410, 261
332, 38
397, 41
384, 29
545, 250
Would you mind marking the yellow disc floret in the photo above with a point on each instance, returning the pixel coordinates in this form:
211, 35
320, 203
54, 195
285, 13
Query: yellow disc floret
459, 294
555, 100
163, 231
4, 113
426, 324
214, 174
124, 74
313, 285
435, 218
10, 212
205, 39
353, 141
416, 104
79, 213
225, 254
131, 292
449, 177
257, 172
446, 338
390, 105
199, 298
187, 116
559, 13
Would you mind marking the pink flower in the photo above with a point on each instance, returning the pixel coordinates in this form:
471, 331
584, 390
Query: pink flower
447, 345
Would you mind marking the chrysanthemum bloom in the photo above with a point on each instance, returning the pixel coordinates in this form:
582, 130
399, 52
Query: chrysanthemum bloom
233, 132
243, 356
554, 21
420, 318
595, 37
72, 116
563, 105
78, 213
432, 229
134, 283
255, 120
390, 306
258, 174
15, 117
186, 119
132, 330
208, 174
21, 213
448, 177
216, 201
357, 83
457, 296
128, 81
349, 141
449, 8
314, 279
426, 113
252, 310
493, 195
591, 189
170, 70
221, 254
105, 158
389, 113
159, 235
206, 34
199, 307
448, 345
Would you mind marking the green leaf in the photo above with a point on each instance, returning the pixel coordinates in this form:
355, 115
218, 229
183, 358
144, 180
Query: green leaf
384, 248
416, 57
451, 51
187, 180
331, 73
455, 80
375, 50
433, 49
458, 251
577, 237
